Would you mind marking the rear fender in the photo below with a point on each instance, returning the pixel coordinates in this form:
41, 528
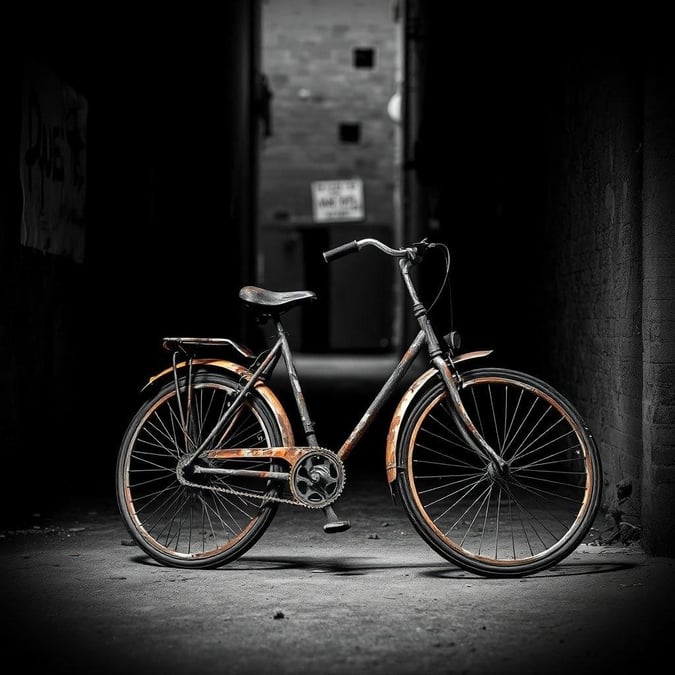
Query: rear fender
241, 372
404, 404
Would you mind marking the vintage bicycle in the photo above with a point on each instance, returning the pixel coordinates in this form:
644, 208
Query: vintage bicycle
496, 469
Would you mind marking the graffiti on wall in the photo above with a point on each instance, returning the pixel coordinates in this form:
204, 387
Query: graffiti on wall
53, 164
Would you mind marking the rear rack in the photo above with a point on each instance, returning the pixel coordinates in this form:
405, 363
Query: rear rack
179, 343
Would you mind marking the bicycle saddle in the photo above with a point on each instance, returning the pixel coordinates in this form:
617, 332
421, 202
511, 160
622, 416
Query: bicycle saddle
278, 301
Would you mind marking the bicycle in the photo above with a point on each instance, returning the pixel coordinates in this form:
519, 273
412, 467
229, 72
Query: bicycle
496, 470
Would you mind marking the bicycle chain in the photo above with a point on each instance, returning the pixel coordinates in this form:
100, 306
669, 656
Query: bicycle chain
240, 493
262, 498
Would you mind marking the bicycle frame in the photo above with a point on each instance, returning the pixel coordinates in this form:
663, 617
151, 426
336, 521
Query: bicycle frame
442, 363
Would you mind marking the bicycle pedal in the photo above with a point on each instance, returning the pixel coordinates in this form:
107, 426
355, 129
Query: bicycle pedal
336, 526
332, 523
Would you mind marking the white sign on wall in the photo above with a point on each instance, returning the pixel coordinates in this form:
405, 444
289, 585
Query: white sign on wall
337, 200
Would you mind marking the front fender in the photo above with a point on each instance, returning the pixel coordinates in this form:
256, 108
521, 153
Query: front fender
404, 404
241, 372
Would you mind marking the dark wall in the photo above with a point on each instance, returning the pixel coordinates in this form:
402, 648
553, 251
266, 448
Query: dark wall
658, 311
171, 146
173, 200
594, 230
480, 157
549, 173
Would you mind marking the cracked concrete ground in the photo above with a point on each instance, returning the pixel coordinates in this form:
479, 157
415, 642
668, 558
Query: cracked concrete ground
78, 598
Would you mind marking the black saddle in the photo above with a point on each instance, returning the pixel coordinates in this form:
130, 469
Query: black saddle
273, 302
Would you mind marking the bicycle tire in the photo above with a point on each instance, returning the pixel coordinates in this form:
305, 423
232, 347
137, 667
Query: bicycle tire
512, 525
193, 527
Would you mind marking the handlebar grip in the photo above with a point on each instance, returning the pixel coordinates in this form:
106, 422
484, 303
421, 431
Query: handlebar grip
339, 251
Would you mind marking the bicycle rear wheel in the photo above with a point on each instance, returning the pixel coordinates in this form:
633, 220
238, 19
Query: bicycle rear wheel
196, 526
512, 524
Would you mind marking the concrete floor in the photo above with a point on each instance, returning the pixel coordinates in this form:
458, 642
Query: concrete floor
78, 598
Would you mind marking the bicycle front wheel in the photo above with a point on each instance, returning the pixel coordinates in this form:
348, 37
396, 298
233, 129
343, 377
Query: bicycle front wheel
511, 523
215, 518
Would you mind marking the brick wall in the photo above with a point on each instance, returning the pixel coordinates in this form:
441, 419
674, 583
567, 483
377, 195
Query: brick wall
658, 504
594, 241
308, 51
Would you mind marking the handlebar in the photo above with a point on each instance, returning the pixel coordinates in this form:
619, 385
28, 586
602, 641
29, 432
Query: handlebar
414, 253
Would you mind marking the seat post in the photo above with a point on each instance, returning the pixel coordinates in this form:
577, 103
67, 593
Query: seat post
294, 380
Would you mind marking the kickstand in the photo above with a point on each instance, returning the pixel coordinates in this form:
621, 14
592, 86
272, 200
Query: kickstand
332, 523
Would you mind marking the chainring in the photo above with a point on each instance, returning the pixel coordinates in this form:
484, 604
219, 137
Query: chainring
317, 479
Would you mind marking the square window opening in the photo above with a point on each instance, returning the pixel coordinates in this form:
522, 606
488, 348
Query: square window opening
349, 132
363, 57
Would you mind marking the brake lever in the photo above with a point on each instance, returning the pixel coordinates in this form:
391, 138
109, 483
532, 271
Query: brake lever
419, 249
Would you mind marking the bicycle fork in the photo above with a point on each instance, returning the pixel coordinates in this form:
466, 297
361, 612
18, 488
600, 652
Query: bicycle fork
458, 412
464, 423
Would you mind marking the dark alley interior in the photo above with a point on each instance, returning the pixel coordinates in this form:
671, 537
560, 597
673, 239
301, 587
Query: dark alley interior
527, 153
